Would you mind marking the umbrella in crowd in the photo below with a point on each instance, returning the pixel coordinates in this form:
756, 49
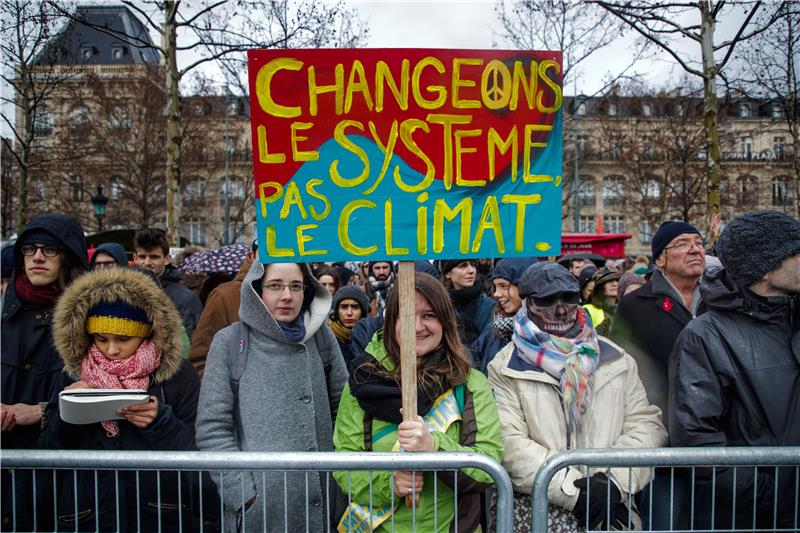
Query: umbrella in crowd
228, 258
597, 259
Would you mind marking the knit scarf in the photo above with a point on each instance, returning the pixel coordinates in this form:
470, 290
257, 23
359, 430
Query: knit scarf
30, 293
503, 326
570, 360
380, 395
379, 289
132, 373
295, 330
341, 331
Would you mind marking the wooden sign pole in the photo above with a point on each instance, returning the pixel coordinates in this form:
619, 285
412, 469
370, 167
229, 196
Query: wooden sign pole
408, 345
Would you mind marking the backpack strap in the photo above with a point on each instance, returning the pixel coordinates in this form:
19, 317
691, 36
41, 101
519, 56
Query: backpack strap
237, 361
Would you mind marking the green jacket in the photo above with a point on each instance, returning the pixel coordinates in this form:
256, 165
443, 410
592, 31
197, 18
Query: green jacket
478, 412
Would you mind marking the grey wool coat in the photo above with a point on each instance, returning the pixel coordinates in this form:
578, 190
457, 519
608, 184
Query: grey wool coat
287, 403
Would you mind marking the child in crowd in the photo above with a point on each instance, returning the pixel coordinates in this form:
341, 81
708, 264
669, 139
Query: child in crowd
116, 329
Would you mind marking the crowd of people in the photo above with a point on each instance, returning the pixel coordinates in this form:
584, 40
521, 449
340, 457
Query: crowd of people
516, 359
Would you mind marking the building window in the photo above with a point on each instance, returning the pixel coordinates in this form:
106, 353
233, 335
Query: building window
586, 191
615, 148
648, 148
747, 190
236, 190
613, 191
119, 119
777, 112
86, 51
118, 52
647, 109
76, 191
782, 193
612, 109
78, 117
587, 224
778, 146
195, 191
38, 190
195, 231
744, 109
645, 233
680, 110
583, 143
234, 108
614, 223
42, 121
747, 147
651, 190
581, 106
116, 190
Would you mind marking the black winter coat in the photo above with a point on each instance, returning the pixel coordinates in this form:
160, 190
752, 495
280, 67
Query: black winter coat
186, 301
29, 367
735, 381
647, 323
485, 347
173, 429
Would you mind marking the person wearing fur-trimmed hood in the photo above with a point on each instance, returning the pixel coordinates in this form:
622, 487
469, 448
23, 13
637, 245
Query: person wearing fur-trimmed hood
116, 329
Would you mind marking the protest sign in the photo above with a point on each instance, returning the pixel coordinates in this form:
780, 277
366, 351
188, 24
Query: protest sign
404, 154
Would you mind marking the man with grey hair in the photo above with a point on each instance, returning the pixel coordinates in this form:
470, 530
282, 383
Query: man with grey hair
735, 372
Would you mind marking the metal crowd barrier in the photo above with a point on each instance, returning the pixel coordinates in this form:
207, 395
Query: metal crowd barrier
17, 461
699, 473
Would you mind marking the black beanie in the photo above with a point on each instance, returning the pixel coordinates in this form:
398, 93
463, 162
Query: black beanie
755, 243
668, 231
447, 266
350, 292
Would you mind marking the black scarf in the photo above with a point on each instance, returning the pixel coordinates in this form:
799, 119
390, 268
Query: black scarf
294, 330
380, 396
466, 302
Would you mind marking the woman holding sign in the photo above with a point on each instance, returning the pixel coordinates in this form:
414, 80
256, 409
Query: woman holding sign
456, 414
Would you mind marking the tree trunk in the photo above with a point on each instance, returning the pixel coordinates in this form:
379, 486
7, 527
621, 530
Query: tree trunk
25, 151
796, 161
710, 110
174, 129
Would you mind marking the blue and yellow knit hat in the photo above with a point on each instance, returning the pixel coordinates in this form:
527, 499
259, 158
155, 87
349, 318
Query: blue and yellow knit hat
118, 318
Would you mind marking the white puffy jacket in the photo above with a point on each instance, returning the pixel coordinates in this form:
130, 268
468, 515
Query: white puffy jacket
534, 426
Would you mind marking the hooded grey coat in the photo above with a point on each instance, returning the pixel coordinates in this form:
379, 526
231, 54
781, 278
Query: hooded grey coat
288, 396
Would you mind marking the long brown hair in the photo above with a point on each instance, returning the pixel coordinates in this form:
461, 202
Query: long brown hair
455, 366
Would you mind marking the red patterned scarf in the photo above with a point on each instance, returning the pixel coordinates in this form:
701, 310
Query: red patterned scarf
30, 293
132, 373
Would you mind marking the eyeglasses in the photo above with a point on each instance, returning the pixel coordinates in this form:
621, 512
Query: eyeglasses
567, 298
685, 246
277, 288
47, 251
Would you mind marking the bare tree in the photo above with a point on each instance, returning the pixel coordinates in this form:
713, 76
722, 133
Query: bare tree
769, 69
580, 30
298, 24
664, 157
29, 68
664, 24
212, 31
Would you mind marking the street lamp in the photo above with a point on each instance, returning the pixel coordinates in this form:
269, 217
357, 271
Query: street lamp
99, 202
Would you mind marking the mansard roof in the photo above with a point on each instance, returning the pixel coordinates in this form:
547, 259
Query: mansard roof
80, 43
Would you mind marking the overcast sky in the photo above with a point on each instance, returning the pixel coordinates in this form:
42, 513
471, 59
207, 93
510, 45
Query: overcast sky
465, 24
473, 24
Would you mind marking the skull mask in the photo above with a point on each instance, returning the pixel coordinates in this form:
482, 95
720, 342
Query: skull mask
556, 314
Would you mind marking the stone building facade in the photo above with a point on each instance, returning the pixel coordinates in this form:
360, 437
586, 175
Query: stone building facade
640, 160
